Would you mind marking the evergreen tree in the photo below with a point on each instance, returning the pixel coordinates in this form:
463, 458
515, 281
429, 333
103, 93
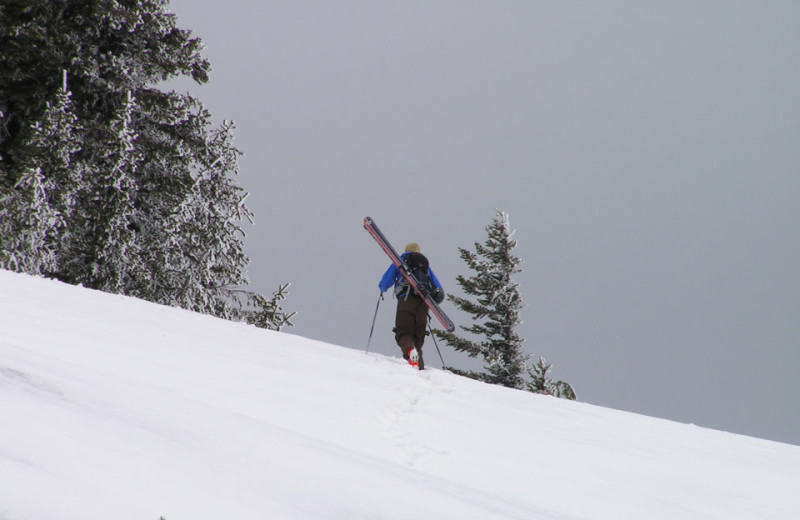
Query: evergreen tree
541, 384
208, 224
124, 187
34, 210
494, 303
494, 306
26, 222
110, 247
267, 313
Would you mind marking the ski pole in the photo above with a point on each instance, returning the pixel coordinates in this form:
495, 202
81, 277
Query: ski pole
380, 297
444, 367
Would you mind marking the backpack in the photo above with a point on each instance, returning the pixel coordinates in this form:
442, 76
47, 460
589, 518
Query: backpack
418, 266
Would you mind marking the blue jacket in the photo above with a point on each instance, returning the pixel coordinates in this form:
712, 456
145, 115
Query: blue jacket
393, 276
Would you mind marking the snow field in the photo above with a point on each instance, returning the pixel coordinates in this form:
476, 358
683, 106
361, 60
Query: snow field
113, 407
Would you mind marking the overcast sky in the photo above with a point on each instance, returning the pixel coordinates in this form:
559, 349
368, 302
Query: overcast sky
648, 154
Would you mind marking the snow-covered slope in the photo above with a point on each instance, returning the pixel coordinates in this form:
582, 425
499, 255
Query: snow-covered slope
111, 407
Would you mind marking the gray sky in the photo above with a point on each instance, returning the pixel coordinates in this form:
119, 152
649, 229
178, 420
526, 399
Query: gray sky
648, 154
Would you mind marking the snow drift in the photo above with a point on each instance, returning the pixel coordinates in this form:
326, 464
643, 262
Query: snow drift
112, 407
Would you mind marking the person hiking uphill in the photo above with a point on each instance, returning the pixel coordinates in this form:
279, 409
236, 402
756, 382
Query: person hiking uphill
412, 313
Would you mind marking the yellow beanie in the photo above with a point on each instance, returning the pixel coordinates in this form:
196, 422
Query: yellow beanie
413, 247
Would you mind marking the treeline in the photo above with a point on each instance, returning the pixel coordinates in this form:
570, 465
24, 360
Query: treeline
105, 179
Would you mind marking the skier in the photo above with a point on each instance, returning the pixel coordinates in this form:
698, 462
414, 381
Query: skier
411, 320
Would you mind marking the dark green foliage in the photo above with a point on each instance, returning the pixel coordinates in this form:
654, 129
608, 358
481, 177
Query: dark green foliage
105, 180
267, 313
494, 303
539, 382
494, 306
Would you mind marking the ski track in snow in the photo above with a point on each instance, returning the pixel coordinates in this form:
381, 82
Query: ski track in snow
399, 421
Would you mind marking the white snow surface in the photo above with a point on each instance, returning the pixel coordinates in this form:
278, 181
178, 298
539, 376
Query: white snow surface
112, 407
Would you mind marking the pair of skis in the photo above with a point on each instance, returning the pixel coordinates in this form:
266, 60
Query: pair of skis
433, 307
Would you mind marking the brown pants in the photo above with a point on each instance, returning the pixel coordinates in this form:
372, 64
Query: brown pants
410, 324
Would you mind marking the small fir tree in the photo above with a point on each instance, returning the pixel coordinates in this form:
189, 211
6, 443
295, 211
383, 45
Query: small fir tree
541, 384
494, 306
267, 313
494, 302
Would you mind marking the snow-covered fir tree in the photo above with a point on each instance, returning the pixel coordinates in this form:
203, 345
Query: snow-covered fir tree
111, 249
494, 303
540, 383
34, 210
208, 223
266, 313
142, 200
27, 223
